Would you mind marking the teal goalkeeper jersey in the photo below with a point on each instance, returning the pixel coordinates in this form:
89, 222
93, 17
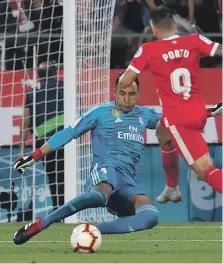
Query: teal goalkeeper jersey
117, 137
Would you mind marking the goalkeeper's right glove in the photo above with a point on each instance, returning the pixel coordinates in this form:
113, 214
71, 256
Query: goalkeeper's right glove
28, 161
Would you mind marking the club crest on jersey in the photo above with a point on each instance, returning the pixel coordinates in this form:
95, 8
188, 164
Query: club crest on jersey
141, 121
116, 113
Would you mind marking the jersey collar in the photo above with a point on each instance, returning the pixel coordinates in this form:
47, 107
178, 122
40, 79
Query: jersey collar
170, 37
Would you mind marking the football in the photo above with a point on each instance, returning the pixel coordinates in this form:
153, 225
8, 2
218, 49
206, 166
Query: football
85, 238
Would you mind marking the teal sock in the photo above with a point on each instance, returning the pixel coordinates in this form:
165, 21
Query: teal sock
146, 217
93, 199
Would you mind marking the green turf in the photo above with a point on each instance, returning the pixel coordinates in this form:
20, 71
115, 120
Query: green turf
151, 246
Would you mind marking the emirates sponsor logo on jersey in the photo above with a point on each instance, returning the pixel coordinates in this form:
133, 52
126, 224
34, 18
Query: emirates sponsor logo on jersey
132, 135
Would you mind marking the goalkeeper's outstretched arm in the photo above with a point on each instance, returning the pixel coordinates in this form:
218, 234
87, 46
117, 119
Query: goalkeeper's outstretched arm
79, 127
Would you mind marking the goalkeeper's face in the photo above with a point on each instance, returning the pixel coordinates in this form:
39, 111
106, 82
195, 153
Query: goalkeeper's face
126, 98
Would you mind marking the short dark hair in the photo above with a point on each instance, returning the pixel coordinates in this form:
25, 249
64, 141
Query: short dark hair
162, 17
47, 70
118, 78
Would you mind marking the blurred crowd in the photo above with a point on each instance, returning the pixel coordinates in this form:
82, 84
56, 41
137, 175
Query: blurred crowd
27, 22
131, 27
132, 18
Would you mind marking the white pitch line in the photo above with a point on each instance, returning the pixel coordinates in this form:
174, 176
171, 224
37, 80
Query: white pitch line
159, 227
188, 227
130, 241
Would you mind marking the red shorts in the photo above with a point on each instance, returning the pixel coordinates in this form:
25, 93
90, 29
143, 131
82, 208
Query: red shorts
186, 133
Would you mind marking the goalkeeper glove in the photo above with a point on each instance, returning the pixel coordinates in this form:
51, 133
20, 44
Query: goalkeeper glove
28, 161
215, 110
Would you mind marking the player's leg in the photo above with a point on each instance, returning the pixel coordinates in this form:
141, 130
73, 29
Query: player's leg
120, 205
170, 163
100, 186
100, 189
194, 150
170, 158
205, 170
145, 216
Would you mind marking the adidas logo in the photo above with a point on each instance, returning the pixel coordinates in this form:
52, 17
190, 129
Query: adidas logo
104, 170
29, 224
73, 209
130, 229
118, 120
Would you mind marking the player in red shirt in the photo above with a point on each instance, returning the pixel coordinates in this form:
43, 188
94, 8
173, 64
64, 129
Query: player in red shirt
174, 63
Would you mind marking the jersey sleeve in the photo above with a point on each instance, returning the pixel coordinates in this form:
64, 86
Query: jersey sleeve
86, 122
139, 62
152, 118
206, 46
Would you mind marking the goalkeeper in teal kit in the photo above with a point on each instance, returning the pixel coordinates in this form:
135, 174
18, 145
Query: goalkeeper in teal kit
117, 130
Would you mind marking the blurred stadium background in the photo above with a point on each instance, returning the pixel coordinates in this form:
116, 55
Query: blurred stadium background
28, 23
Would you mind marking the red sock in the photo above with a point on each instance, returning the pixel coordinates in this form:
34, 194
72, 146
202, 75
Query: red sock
170, 165
213, 177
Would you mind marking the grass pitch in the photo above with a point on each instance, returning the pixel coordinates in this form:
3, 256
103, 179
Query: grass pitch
167, 243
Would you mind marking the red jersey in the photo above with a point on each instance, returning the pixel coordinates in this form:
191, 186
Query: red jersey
174, 64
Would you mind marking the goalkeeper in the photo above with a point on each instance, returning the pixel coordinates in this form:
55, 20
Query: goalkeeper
117, 141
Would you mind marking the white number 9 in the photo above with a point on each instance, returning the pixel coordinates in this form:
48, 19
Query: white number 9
181, 82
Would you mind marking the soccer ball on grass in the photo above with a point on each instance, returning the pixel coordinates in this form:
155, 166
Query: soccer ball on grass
85, 238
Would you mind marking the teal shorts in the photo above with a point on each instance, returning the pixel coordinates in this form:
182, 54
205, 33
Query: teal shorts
122, 182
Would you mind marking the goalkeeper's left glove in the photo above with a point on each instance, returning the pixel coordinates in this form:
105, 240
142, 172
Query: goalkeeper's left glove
215, 110
28, 161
